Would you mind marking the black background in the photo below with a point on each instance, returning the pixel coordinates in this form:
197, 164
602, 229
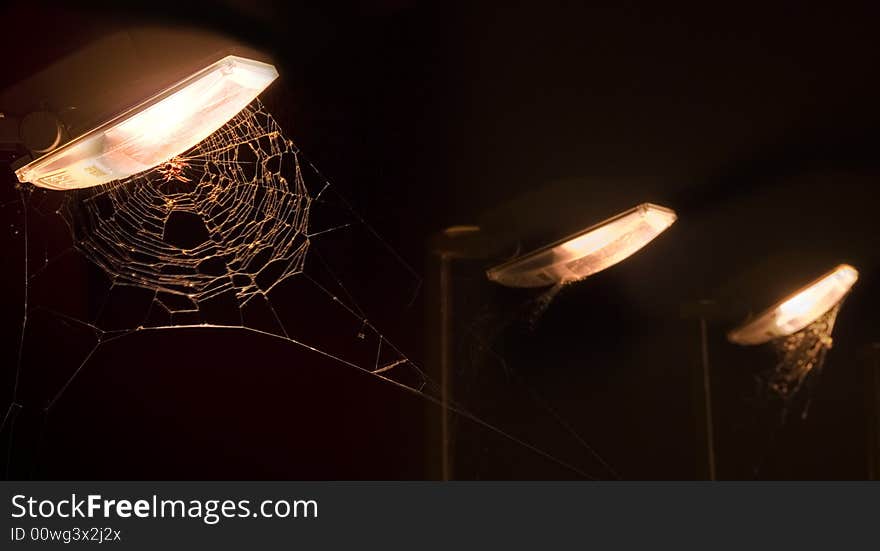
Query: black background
758, 125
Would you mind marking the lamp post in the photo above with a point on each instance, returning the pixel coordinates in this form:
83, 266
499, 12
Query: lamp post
446, 247
575, 257
872, 385
704, 311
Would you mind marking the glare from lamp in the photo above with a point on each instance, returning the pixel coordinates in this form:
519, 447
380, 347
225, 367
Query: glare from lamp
156, 130
797, 310
587, 252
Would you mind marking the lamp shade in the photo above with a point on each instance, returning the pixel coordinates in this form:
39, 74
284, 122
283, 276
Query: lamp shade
797, 310
156, 130
588, 251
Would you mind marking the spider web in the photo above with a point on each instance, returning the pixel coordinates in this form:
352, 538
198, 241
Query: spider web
800, 359
786, 388
246, 226
206, 240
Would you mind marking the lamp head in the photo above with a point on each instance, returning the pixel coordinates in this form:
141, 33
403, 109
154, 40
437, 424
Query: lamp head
588, 251
155, 130
797, 310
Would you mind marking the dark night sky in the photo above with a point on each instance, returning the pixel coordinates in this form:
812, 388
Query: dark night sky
758, 125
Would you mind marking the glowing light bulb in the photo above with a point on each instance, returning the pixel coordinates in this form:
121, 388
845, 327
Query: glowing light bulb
587, 252
799, 309
156, 130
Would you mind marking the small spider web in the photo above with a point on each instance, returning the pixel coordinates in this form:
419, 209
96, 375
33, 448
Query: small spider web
800, 359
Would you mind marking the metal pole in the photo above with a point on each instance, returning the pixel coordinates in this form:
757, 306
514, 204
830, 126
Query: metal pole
872, 379
445, 361
446, 247
707, 400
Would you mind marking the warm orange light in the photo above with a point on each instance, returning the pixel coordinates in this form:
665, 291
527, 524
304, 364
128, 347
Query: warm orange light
586, 252
799, 309
158, 129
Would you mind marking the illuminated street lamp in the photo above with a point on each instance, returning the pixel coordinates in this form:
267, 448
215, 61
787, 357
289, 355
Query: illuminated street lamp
799, 309
799, 327
790, 318
588, 251
786, 318
582, 254
155, 130
126, 103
